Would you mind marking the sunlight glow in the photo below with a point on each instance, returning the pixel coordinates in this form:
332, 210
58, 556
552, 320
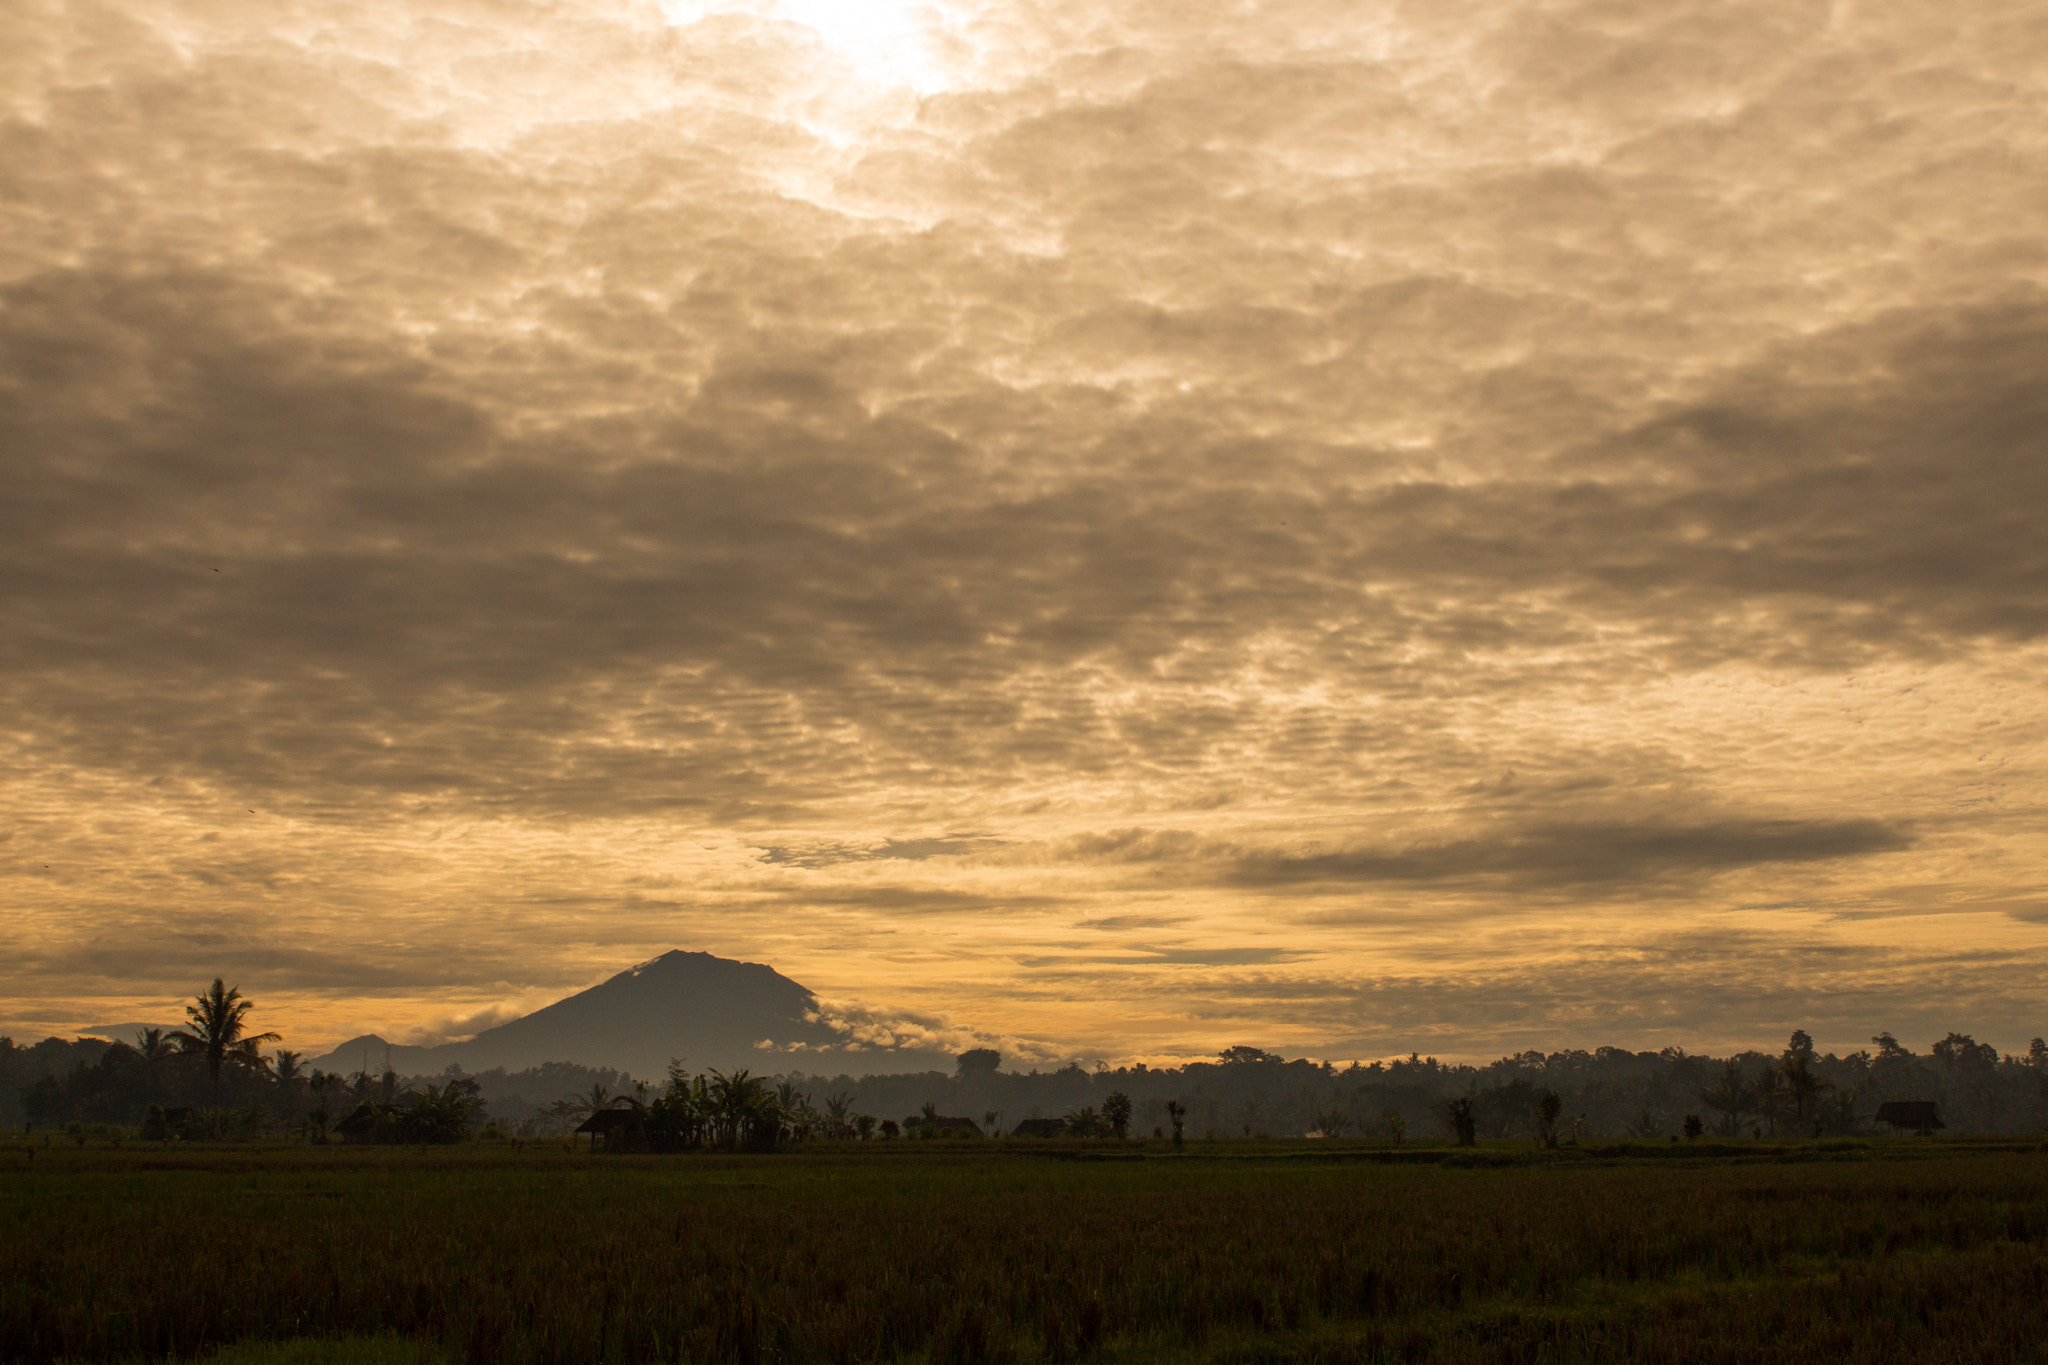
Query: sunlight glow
892, 44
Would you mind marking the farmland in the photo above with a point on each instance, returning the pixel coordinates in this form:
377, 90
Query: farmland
1229, 1252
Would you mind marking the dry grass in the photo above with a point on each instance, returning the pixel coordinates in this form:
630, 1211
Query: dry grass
1244, 1253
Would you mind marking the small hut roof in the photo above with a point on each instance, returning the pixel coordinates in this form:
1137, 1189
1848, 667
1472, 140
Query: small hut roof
1039, 1128
364, 1115
605, 1121
1909, 1114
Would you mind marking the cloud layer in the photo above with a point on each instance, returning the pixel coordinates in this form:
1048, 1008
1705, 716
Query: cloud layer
1377, 495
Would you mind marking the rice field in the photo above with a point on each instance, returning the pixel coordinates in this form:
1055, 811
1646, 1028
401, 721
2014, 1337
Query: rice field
940, 1252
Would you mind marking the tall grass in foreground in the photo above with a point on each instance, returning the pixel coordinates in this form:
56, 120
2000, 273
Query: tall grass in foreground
983, 1256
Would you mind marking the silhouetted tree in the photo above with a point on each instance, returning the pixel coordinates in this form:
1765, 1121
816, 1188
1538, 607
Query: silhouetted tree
153, 1051
744, 1114
1460, 1119
977, 1062
1116, 1111
1959, 1051
1768, 1096
291, 1078
217, 1019
1548, 1107
1802, 1087
1729, 1095
1177, 1115
320, 1083
1086, 1123
1693, 1127
677, 1118
440, 1114
588, 1103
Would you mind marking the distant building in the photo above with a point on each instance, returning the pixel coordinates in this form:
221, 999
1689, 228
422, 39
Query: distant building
1916, 1116
617, 1130
951, 1125
1040, 1128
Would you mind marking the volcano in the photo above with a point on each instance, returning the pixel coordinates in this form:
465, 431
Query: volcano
706, 1011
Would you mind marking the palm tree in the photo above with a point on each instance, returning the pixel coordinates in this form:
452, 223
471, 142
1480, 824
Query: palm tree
248, 1054
1803, 1087
1767, 1095
744, 1110
1729, 1094
1464, 1123
216, 1019
155, 1050
291, 1078
839, 1114
585, 1105
320, 1082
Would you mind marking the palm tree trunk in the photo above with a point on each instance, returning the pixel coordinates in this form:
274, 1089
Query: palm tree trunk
216, 1100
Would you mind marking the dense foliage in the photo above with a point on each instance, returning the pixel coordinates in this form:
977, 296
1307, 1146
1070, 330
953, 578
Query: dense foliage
1607, 1093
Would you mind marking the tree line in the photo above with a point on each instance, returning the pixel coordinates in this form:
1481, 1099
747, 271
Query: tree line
214, 1079
1608, 1093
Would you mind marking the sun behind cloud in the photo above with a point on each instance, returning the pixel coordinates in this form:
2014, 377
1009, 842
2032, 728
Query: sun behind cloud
888, 45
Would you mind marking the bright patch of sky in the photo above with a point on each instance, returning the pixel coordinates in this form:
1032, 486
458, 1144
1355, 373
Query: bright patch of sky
888, 44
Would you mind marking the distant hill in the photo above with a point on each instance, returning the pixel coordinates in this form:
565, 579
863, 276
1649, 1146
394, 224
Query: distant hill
126, 1033
709, 1011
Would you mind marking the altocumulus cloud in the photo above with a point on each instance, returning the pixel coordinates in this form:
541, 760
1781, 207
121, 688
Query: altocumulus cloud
481, 474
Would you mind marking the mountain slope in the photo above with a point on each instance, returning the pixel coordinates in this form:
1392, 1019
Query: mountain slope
709, 1011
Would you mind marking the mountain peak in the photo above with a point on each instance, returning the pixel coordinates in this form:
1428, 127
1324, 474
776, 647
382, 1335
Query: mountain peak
706, 1010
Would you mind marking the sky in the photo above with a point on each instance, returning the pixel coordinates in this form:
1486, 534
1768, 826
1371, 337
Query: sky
1110, 531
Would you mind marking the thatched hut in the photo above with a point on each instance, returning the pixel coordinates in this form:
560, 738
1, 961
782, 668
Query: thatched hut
367, 1123
622, 1129
1040, 1128
1915, 1116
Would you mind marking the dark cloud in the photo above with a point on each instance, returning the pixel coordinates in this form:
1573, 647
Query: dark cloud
914, 900
1723, 988
489, 472
1118, 923
1168, 957
1567, 855
907, 850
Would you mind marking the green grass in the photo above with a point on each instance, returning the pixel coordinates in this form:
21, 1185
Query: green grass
1284, 1251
